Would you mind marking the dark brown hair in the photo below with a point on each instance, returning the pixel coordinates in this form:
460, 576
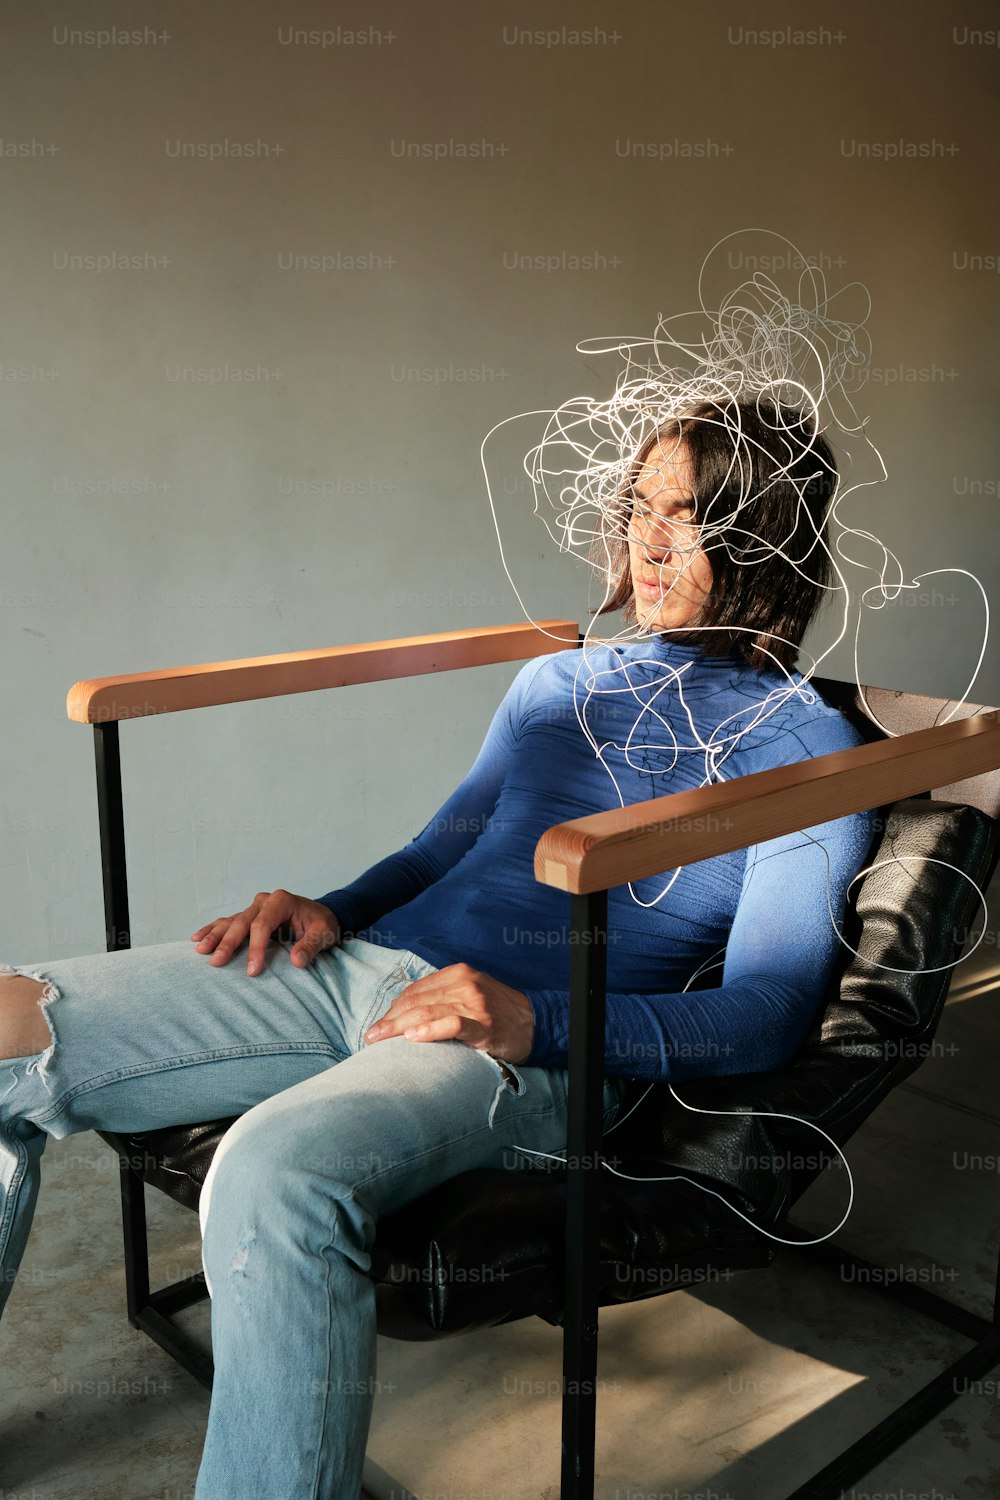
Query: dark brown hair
764, 466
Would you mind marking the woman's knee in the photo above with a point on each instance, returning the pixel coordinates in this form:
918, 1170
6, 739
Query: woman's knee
288, 1192
23, 1027
268, 1161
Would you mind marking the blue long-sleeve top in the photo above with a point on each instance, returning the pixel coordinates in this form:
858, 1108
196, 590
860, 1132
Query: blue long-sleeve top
660, 717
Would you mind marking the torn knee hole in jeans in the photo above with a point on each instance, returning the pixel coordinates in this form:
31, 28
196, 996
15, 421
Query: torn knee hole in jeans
239, 1261
238, 1264
39, 1061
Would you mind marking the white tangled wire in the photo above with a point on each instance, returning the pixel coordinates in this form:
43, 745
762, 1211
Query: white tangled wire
798, 363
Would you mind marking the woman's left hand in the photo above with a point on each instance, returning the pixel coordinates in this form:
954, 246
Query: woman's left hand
461, 1003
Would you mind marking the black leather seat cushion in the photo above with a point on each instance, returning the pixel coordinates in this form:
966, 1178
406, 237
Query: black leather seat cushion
486, 1247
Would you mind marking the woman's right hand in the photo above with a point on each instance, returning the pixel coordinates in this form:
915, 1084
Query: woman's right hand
315, 927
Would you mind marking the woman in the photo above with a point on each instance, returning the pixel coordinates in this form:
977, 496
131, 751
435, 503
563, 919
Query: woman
319, 1044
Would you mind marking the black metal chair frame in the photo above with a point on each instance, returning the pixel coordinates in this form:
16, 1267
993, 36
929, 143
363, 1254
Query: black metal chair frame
152, 1311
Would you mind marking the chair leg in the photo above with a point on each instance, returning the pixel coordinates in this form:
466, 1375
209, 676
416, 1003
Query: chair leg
588, 971
136, 1246
152, 1312
863, 1455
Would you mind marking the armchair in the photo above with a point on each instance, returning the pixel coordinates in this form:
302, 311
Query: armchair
578, 1238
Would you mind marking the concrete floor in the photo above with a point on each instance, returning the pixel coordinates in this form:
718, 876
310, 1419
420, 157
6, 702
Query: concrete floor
736, 1390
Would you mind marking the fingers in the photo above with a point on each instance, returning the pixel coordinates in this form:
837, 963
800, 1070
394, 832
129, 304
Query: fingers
419, 994
314, 925
277, 908
318, 936
225, 943
210, 934
460, 1003
434, 1008
222, 937
428, 1023
452, 980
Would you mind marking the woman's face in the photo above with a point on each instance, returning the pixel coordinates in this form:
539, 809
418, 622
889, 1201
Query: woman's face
671, 574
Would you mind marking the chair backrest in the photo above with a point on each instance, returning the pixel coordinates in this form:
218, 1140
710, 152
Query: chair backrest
907, 919
868, 708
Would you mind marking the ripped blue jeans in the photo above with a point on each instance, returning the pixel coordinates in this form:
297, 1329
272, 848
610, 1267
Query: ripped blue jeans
333, 1133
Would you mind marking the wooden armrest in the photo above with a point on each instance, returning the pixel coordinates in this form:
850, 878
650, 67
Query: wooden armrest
164, 692
646, 838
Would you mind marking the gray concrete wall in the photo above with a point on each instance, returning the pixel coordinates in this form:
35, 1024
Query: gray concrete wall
160, 508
